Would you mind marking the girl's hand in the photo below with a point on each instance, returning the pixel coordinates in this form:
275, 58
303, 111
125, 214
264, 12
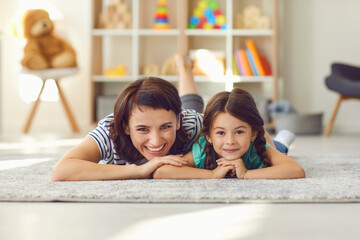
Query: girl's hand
175, 160
221, 171
238, 165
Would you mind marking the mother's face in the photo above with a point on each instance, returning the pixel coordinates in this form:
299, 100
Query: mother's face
152, 131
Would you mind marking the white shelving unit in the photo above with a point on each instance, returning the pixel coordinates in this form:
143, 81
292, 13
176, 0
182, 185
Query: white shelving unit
1, 34
141, 44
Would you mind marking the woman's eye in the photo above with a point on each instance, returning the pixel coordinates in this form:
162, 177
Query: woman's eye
220, 133
239, 132
141, 129
165, 127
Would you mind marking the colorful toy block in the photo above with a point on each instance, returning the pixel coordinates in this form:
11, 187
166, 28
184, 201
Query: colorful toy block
161, 16
207, 15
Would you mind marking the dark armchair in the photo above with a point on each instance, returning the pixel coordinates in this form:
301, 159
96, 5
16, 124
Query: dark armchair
345, 80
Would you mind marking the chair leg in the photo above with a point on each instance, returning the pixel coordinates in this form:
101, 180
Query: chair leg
33, 110
68, 112
333, 116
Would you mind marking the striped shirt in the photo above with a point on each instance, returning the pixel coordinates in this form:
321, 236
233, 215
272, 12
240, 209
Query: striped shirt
191, 122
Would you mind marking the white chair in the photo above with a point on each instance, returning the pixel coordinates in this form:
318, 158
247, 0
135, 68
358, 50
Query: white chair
56, 74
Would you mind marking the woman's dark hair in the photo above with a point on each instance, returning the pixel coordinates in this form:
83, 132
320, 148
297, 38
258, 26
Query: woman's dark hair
240, 104
150, 92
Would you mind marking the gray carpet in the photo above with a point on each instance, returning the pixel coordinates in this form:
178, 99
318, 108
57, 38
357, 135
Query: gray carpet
329, 179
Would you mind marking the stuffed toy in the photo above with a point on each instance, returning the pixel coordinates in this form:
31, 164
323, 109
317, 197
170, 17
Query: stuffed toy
43, 48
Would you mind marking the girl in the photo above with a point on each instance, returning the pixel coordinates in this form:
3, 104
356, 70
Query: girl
233, 140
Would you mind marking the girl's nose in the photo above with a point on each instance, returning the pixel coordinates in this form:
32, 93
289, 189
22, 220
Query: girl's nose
229, 139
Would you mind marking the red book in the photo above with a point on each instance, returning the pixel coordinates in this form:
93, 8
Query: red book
266, 65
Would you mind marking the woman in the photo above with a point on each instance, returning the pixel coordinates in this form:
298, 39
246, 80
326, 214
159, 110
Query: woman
148, 122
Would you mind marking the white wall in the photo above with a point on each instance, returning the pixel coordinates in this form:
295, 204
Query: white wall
313, 33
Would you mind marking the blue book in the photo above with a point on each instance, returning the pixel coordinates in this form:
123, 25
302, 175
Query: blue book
252, 64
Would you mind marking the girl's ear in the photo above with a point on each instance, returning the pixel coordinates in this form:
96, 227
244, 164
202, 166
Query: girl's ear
208, 139
254, 135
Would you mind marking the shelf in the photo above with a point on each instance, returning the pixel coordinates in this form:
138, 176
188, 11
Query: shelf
112, 32
114, 79
248, 32
140, 46
151, 32
129, 32
171, 78
201, 32
245, 79
234, 79
234, 32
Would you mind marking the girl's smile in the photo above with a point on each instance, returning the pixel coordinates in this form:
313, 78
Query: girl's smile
230, 136
231, 150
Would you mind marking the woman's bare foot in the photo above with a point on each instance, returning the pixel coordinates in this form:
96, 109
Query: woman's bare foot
183, 63
186, 79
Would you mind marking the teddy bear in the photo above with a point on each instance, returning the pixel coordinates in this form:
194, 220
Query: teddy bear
43, 48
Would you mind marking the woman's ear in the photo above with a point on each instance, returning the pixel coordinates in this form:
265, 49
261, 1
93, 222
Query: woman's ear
178, 122
127, 132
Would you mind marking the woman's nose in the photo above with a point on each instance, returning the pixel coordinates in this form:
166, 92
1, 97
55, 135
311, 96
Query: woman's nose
155, 138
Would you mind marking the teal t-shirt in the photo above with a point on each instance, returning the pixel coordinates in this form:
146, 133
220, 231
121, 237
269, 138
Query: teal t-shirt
251, 159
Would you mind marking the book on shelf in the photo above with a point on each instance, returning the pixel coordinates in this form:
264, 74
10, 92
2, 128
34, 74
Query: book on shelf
249, 62
252, 64
250, 44
245, 64
238, 63
234, 66
266, 65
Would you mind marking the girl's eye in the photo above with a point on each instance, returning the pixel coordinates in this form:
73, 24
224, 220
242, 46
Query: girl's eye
220, 133
239, 132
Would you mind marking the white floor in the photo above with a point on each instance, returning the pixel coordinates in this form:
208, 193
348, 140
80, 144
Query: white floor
180, 221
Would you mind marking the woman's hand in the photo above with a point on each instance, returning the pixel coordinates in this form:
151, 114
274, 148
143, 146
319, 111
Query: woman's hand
148, 168
238, 166
220, 171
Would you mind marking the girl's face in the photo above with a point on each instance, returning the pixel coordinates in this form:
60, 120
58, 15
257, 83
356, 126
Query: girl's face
230, 136
152, 131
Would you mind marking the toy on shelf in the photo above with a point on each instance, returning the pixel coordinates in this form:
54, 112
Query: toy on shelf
209, 63
118, 71
251, 18
207, 15
169, 67
161, 16
116, 16
151, 69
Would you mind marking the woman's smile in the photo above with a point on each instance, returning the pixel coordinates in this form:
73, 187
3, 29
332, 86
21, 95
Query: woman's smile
155, 150
152, 131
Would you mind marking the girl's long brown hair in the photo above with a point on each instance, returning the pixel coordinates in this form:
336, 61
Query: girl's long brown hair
240, 104
150, 92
